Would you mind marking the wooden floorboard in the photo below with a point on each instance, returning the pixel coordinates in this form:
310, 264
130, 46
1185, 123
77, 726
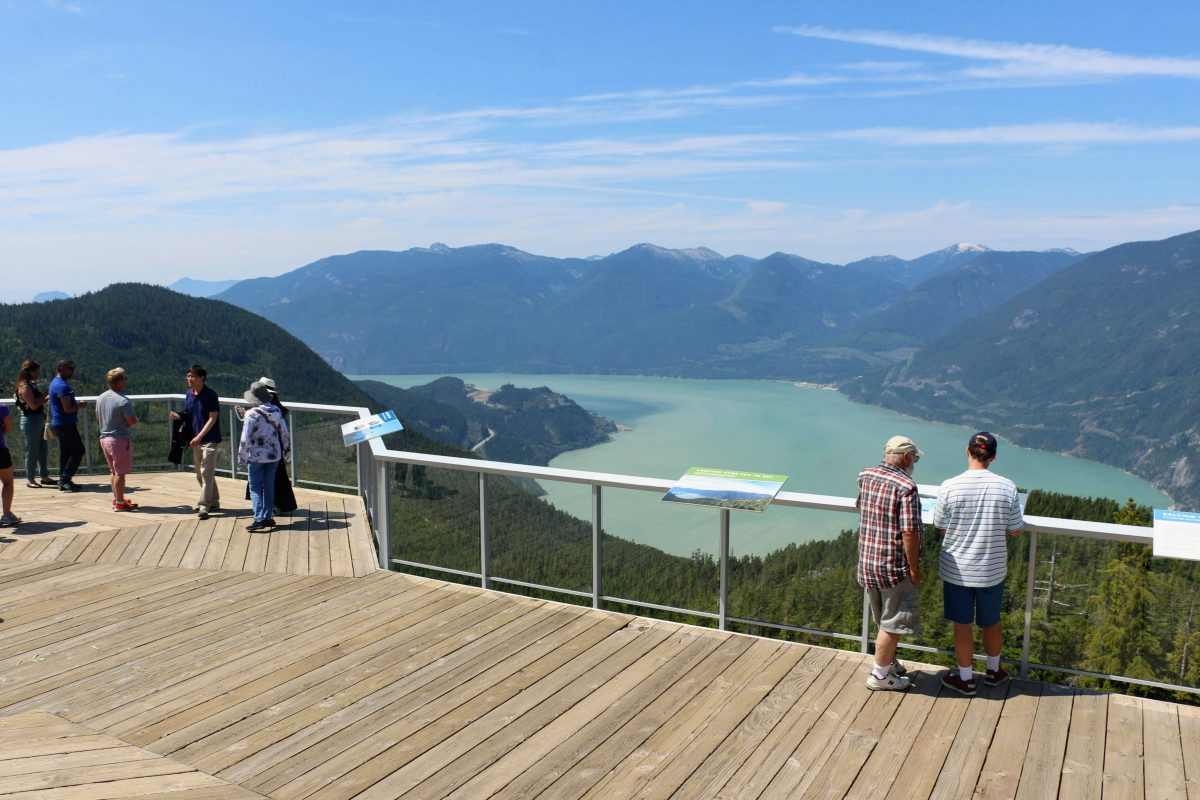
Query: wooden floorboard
158, 655
328, 533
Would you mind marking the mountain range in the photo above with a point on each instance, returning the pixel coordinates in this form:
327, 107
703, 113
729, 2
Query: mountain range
644, 310
1090, 354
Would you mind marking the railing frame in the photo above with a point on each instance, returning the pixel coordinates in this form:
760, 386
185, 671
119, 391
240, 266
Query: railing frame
374, 460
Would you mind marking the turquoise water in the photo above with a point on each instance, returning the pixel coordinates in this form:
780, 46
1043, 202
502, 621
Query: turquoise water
817, 437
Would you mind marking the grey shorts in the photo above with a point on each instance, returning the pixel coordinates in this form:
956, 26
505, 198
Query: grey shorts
897, 609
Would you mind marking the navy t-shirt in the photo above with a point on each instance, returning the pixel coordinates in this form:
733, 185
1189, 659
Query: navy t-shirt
59, 389
199, 407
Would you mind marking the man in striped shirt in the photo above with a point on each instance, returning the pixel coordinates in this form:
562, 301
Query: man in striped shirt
975, 510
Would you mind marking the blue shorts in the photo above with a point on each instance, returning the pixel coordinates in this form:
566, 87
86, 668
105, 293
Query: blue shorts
967, 604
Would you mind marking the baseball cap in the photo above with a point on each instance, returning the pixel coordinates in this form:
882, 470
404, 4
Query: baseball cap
985, 441
901, 444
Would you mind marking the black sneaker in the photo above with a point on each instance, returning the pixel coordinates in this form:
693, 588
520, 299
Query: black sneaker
995, 677
898, 669
952, 680
259, 525
202, 512
269, 522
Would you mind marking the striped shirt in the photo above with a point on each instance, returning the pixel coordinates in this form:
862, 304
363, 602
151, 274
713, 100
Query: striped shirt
888, 505
976, 509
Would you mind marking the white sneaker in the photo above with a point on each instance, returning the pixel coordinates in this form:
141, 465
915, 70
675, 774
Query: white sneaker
897, 669
892, 683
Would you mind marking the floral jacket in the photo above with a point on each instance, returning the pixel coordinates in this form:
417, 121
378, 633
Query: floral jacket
265, 436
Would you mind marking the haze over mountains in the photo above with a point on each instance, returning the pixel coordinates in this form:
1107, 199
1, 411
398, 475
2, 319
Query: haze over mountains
643, 310
1089, 354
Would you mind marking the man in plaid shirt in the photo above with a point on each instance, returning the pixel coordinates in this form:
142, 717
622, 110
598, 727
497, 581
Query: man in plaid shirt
889, 556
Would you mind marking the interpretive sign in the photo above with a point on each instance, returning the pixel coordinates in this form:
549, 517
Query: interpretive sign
372, 427
1177, 534
726, 488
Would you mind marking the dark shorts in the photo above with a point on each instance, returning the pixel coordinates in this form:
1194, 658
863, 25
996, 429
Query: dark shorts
5, 458
972, 604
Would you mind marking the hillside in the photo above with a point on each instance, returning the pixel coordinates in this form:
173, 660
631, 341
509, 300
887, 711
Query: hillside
938, 304
528, 426
155, 334
1099, 361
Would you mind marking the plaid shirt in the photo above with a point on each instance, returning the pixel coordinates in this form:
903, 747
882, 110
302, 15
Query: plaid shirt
887, 505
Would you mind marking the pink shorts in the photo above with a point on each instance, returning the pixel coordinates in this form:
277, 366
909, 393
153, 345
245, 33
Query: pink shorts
119, 455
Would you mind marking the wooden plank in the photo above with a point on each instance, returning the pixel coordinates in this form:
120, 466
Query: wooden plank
181, 537
142, 537
218, 545
193, 556
256, 552
894, 749
1123, 753
158, 545
712, 776
318, 540
297, 557
1001, 771
494, 763
239, 543
278, 544
762, 765
77, 546
120, 541
341, 561
1044, 761
420, 725
518, 717
362, 545
661, 747
1189, 736
1083, 765
960, 770
1163, 750
812, 755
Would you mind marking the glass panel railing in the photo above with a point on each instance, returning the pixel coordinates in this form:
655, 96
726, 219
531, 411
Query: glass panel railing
320, 459
435, 518
533, 544
809, 582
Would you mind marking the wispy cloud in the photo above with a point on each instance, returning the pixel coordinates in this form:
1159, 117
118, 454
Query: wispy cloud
1013, 59
1067, 133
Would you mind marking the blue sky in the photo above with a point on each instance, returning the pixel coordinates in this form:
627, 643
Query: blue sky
153, 140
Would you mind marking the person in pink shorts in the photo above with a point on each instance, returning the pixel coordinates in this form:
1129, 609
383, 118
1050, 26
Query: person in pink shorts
115, 413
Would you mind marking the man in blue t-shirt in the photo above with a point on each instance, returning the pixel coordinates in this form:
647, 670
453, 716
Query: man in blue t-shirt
64, 421
204, 413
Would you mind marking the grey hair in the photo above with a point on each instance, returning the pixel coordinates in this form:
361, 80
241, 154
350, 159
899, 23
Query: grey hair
895, 459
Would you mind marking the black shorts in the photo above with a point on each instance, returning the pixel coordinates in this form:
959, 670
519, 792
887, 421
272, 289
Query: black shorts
5, 458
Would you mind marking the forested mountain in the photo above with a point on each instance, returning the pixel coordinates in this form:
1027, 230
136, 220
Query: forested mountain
643, 310
528, 426
155, 334
938, 304
1100, 360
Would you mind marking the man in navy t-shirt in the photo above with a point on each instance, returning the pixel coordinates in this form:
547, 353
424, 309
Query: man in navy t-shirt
204, 413
64, 420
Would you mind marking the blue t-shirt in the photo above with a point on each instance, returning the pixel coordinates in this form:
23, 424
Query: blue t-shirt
59, 389
199, 407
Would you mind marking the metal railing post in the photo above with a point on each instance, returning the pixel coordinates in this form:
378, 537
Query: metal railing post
723, 596
232, 443
596, 545
1029, 604
866, 623
383, 516
484, 560
292, 452
87, 434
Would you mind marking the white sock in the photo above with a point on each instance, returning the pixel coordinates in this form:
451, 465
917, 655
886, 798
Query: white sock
965, 672
993, 663
880, 672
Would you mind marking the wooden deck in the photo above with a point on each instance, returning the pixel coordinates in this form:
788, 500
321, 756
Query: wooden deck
327, 535
194, 680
